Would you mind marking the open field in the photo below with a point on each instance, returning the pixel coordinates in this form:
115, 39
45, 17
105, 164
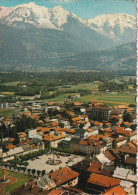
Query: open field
92, 86
8, 112
14, 83
6, 93
112, 99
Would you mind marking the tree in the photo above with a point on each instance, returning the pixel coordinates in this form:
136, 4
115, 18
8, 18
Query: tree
43, 172
28, 170
113, 120
127, 117
114, 144
133, 127
35, 141
33, 171
38, 172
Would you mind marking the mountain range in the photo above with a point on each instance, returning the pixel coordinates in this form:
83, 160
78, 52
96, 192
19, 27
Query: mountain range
32, 35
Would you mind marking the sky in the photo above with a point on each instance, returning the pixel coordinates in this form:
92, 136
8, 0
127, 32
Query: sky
83, 8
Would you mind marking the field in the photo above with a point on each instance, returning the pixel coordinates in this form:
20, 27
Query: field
14, 83
8, 112
108, 99
91, 86
6, 93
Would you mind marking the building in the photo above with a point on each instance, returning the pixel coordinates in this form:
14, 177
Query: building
99, 183
32, 133
116, 190
65, 176
45, 183
99, 112
53, 138
74, 144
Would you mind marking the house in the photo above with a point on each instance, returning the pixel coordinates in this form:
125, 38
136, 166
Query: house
53, 138
90, 147
22, 136
81, 133
74, 144
64, 176
65, 143
11, 146
56, 192
116, 190
127, 150
12, 153
32, 133
121, 173
45, 182
99, 112
77, 104
99, 183
103, 159
120, 141
128, 187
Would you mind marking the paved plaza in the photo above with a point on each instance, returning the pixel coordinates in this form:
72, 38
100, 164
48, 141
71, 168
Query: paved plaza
40, 162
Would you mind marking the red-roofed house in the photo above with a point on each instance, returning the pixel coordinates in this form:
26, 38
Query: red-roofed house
56, 192
65, 176
117, 190
99, 183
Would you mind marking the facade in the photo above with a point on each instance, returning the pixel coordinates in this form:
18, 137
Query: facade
74, 144
99, 112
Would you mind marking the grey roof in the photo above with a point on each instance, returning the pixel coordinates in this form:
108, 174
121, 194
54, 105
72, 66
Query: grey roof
45, 180
75, 140
108, 168
121, 173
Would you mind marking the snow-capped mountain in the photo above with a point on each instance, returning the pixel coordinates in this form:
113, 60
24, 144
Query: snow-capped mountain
118, 27
115, 26
34, 15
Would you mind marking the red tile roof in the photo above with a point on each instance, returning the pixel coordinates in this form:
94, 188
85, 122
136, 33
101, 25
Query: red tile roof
10, 146
94, 167
49, 137
77, 103
63, 175
76, 119
56, 192
102, 180
109, 156
117, 190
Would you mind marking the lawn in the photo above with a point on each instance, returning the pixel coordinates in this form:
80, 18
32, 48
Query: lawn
18, 175
1, 173
20, 180
15, 185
